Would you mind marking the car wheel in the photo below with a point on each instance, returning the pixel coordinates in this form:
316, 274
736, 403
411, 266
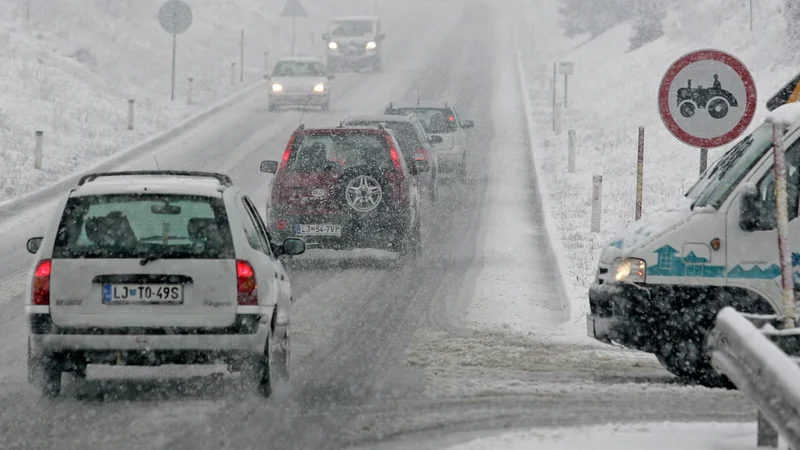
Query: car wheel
434, 190
257, 370
44, 373
362, 189
411, 245
281, 359
272, 107
326, 106
462, 171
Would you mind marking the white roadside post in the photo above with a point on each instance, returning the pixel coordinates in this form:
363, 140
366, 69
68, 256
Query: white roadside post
131, 113
557, 120
37, 151
597, 206
233, 73
189, 93
571, 151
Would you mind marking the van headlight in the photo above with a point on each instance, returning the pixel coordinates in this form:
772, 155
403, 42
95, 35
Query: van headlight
333, 45
371, 45
277, 87
628, 270
319, 88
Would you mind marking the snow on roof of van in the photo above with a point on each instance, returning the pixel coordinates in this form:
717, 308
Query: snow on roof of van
354, 18
787, 115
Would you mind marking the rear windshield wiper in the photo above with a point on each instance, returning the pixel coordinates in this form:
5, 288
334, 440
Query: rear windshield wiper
151, 258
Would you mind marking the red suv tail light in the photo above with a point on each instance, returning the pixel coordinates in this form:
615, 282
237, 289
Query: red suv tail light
41, 283
395, 155
246, 284
286, 154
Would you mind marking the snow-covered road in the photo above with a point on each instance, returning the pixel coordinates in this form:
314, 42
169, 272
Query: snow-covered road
469, 340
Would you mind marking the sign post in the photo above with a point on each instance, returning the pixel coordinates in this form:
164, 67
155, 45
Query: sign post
597, 202
294, 10
555, 88
175, 18
567, 69
706, 99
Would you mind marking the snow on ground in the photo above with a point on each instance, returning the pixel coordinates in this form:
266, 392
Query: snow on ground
510, 338
611, 94
695, 436
70, 69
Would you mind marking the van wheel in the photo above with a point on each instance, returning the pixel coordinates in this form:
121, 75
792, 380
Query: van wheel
411, 246
690, 365
462, 171
44, 373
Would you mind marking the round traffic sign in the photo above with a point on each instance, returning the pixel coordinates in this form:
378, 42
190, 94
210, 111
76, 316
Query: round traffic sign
175, 17
707, 98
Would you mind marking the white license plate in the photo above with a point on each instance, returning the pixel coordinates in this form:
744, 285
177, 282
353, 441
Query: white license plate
318, 230
142, 293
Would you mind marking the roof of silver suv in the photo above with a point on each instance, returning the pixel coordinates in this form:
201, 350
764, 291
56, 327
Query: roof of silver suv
160, 181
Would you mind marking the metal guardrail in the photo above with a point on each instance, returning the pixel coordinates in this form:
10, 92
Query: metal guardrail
761, 370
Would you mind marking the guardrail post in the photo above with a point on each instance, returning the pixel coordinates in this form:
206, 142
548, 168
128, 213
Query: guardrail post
597, 194
131, 112
37, 151
233, 74
189, 93
571, 151
767, 434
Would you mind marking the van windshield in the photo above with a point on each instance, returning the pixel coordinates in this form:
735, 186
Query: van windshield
718, 182
352, 28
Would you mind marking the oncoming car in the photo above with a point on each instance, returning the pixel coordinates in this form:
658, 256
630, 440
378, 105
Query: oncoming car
159, 267
441, 119
300, 82
354, 43
345, 188
415, 145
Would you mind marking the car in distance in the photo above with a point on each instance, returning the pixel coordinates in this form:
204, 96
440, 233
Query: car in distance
158, 267
299, 82
354, 43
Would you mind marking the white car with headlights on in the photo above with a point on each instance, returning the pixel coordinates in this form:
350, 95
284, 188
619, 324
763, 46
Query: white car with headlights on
159, 267
354, 43
299, 82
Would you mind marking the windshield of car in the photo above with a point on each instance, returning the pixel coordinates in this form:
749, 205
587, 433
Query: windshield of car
334, 152
299, 69
733, 166
351, 28
434, 120
138, 226
405, 133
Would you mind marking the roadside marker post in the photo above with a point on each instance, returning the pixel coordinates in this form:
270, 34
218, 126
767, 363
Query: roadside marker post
640, 174
571, 151
37, 151
131, 113
597, 204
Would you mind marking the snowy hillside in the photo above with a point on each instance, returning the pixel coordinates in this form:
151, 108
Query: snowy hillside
70, 68
612, 93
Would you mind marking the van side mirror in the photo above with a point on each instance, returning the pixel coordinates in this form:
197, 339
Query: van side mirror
422, 166
34, 244
269, 167
290, 247
436, 139
468, 124
267, 76
754, 215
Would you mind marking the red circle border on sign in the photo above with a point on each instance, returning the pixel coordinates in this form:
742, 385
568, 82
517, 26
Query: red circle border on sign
750, 102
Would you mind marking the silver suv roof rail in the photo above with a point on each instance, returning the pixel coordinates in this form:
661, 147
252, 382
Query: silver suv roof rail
223, 179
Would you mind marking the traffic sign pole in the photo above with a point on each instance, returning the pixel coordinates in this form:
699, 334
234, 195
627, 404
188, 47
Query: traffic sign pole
175, 18
555, 85
566, 89
703, 160
174, 63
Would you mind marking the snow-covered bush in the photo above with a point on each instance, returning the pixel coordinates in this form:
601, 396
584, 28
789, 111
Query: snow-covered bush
593, 16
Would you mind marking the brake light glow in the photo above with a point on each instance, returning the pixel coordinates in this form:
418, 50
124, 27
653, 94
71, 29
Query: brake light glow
281, 224
246, 284
421, 154
41, 283
451, 118
394, 154
286, 154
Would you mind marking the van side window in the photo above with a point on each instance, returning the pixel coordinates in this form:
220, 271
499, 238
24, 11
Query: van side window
766, 187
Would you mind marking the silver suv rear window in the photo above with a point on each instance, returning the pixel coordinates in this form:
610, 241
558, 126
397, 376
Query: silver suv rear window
141, 226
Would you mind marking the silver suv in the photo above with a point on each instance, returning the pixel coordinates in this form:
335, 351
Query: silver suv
159, 267
354, 43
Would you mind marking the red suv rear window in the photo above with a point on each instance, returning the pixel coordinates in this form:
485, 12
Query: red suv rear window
339, 151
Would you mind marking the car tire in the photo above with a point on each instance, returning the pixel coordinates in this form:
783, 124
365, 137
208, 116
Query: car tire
272, 108
351, 174
462, 171
44, 373
257, 370
326, 106
281, 361
434, 190
411, 246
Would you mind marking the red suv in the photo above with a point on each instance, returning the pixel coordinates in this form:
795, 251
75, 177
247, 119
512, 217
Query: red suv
345, 188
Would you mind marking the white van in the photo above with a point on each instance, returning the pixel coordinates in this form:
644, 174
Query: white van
662, 280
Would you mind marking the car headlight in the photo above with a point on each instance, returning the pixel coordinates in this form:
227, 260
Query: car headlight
628, 270
371, 45
333, 45
277, 87
319, 88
